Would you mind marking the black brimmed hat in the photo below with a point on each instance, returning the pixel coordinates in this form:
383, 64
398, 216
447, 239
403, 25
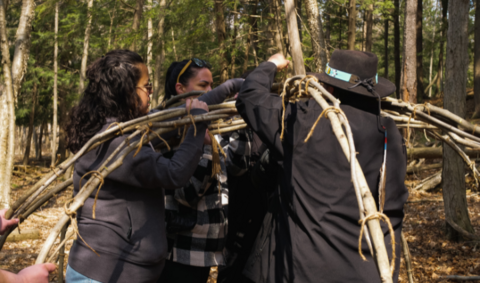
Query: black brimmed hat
356, 72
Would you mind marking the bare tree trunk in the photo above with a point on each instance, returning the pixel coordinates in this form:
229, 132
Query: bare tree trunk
431, 54
442, 47
352, 17
150, 42
86, 43
40, 140
454, 191
234, 40
137, 16
158, 78
385, 44
62, 147
112, 18
22, 45
278, 26
408, 89
396, 31
247, 50
369, 29
173, 43
221, 36
294, 38
6, 105
55, 86
316, 34
476, 82
420, 88
328, 24
31, 128
298, 12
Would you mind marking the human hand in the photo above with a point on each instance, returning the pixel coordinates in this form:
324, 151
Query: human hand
196, 104
279, 60
5, 223
35, 274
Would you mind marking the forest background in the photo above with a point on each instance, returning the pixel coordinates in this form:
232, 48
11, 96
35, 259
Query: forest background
47, 45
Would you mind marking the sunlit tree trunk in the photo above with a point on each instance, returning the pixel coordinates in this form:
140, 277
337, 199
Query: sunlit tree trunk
453, 175
150, 42
55, 88
294, 38
31, 128
369, 29
221, 35
158, 77
137, 17
408, 89
6, 102
86, 43
316, 33
431, 53
352, 17
442, 47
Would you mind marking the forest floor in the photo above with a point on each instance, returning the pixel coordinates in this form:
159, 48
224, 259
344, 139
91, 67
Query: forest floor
432, 255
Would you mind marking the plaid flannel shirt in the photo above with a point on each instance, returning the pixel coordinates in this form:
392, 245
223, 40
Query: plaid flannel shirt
204, 245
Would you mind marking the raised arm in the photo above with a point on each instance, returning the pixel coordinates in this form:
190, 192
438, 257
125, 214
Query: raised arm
221, 92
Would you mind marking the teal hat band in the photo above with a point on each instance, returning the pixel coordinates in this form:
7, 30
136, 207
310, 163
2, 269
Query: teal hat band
344, 76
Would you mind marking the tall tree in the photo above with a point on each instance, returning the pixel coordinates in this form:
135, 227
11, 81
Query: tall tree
31, 127
294, 38
316, 33
369, 28
453, 174
6, 104
431, 54
476, 81
352, 27
234, 38
385, 45
420, 88
160, 58
221, 36
86, 44
408, 89
442, 46
396, 43
137, 17
55, 90
278, 26
150, 40
13, 75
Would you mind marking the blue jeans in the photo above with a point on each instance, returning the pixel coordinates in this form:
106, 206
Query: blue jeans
75, 277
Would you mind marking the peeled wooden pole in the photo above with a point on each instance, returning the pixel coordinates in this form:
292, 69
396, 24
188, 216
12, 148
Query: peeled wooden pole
294, 38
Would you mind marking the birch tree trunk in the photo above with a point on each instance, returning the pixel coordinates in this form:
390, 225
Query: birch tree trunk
158, 77
396, 51
137, 16
86, 43
221, 35
316, 33
352, 17
420, 88
369, 29
453, 175
408, 89
150, 42
55, 88
6, 103
476, 81
31, 128
294, 38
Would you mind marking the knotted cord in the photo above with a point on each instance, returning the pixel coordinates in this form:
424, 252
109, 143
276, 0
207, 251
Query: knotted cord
99, 176
73, 220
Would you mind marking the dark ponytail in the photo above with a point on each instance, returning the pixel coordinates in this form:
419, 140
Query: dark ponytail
172, 75
110, 93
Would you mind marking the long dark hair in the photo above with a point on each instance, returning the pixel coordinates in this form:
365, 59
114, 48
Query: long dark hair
172, 75
111, 92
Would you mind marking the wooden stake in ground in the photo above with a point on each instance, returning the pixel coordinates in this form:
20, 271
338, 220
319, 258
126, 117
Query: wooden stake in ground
294, 38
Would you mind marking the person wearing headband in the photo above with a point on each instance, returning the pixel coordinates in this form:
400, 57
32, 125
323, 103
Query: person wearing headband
196, 213
311, 231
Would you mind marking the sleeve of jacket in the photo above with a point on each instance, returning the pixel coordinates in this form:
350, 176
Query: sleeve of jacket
221, 92
150, 170
260, 109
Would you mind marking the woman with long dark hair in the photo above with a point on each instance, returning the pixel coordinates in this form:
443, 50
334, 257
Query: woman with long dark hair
128, 232
197, 212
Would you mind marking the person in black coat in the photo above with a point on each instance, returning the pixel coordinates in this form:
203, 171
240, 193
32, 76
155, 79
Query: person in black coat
311, 231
